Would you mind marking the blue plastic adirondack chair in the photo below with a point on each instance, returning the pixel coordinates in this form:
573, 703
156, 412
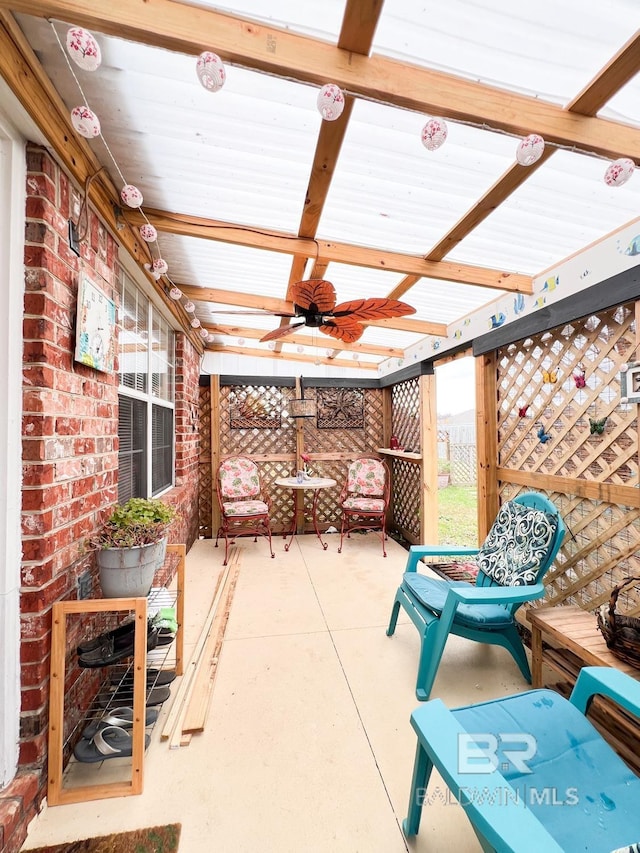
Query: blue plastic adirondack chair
530, 770
520, 547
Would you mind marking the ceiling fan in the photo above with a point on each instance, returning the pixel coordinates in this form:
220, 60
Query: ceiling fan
314, 302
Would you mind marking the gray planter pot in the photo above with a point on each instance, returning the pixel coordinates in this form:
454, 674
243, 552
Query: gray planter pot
128, 572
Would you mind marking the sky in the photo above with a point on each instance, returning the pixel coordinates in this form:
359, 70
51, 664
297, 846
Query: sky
456, 386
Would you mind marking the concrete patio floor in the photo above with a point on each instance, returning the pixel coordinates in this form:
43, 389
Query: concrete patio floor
307, 746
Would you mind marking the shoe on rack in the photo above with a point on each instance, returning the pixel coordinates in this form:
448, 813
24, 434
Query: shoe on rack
111, 652
120, 635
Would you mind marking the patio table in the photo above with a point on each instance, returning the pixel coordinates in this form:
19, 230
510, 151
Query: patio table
314, 483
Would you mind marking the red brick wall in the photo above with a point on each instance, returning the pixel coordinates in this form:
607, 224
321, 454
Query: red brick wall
70, 443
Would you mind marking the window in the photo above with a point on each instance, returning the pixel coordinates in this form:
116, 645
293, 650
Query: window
146, 397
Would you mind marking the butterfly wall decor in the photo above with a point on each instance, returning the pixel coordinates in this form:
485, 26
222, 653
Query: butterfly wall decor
522, 411
550, 376
542, 435
596, 427
579, 376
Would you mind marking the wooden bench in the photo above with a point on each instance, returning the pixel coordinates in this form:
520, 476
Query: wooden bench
567, 639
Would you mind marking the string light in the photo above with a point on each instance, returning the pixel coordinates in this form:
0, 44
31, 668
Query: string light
85, 122
148, 233
434, 133
619, 172
330, 102
530, 149
189, 307
83, 49
210, 71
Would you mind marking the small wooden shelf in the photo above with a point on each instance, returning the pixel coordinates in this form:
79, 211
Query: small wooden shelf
400, 454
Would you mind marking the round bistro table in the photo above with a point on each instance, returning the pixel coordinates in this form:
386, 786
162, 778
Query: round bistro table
314, 483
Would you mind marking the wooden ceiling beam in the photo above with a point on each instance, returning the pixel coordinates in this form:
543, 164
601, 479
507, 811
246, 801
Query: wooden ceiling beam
290, 356
616, 73
321, 341
362, 256
250, 44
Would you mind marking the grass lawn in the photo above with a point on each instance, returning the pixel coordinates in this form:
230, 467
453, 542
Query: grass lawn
458, 524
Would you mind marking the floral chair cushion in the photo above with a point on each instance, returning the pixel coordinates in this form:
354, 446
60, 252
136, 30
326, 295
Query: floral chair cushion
517, 545
238, 508
366, 477
363, 504
239, 478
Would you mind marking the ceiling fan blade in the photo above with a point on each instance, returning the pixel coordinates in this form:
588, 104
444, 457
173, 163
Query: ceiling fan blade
315, 294
343, 329
280, 332
373, 309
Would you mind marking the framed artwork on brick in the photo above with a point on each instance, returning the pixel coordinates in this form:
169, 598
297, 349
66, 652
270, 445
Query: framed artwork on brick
96, 327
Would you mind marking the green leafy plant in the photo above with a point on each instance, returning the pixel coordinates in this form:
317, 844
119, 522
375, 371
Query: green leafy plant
444, 466
140, 521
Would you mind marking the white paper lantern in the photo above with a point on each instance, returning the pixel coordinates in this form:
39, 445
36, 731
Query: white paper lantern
195, 323
175, 293
434, 133
148, 233
330, 102
189, 307
204, 334
131, 196
271, 345
240, 342
529, 149
210, 71
619, 172
159, 267
85, 122
299, 348
83, 49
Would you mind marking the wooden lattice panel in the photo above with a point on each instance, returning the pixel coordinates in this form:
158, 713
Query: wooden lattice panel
252, 437
405, 398
205, 493
603, 539
406, 498
528, 401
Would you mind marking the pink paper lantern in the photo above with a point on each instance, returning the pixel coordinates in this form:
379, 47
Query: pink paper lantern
189, 307
159, 267
330, 102
83, 49
175, 293
619, 172
204, 333
85, 122
148, 233
434, 133
210, 71
530, 149
195, 323
131, 196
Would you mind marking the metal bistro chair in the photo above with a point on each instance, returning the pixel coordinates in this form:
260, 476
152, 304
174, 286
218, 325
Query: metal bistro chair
364, 498
520, 547
244, 503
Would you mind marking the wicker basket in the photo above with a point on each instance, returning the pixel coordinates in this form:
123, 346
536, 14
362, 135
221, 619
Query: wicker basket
621, 633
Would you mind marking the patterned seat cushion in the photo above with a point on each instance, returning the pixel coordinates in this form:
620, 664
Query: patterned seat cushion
517, 545
236, 508
366, 477
363, 504
239, 478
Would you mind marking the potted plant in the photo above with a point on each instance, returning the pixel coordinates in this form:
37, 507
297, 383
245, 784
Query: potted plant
131, 546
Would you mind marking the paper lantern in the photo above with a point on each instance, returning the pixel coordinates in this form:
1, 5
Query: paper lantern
195, 323
434, 133
210, 71
83, 49
204, 333
299, 348
148, 233
85, 122
189, 307
240, 342
529, 149
271, 345
131, 196
619, 172
175, 293
330, 102
159, 267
